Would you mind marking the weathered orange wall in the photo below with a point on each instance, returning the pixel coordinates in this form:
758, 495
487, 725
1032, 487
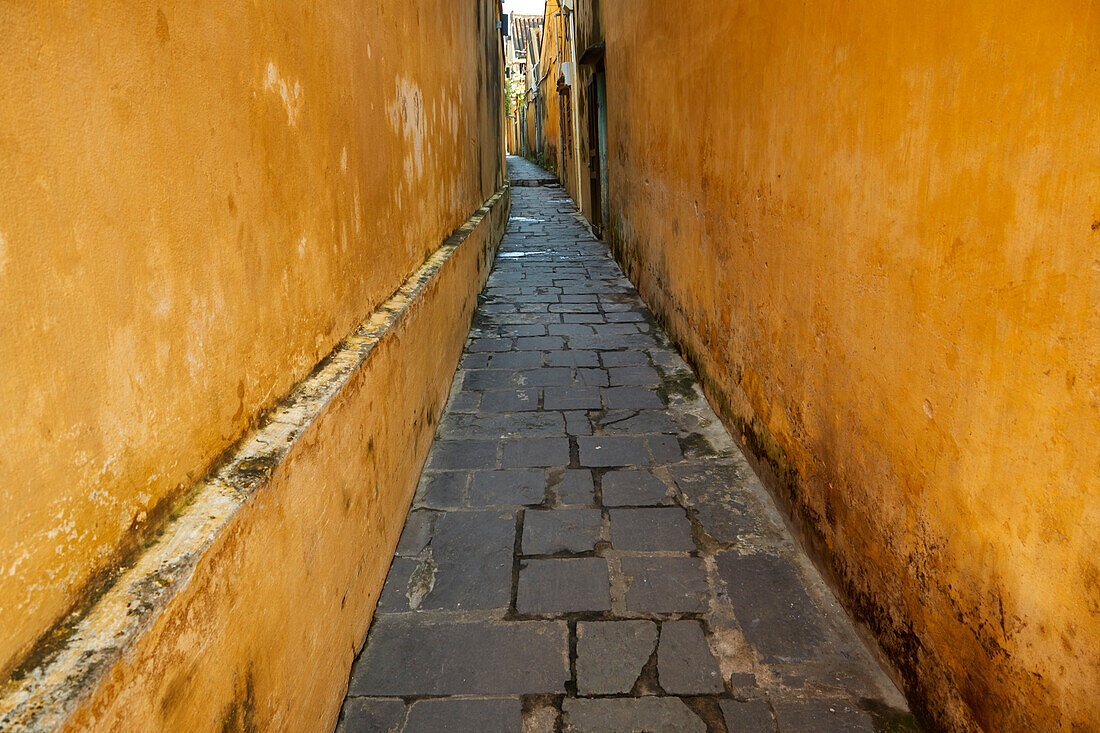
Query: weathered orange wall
531, 112
199, 202
264, 633
875, 232
588, 34
548, 72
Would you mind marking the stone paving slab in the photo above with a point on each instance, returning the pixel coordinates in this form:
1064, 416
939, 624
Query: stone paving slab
372, 715
685, 664
611, 655
648, 529
561, 530
463, 715
618, 715
563, 585
587, 549
634, 488
405, 659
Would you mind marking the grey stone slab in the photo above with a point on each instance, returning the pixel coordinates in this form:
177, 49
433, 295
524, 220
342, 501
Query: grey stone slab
721, 503
513, 330
371, 715
545, 377
539, 343
577, 487
631, 398
474, 361
510, 400
624, 358
481, 581
417, 532
442, 490
482, 379
663, 529
394, 597
625, 317
572, 398
575, 308
464, 402
501, 424
776, 615
583, 318
613, 343
592, 377
457, 454
572, 358
577, 423
561, 530
685, 664
517, 359
458, 534
670, 362
619, 450
820, 716
665, 584
664, 448
570, 329
637, 422
563, 585
747, 716
633, 376
508, 487
629, 715
519, 452
611, 654
618, 329
472, 553
465, 715
633, 488
484, 658
489, 344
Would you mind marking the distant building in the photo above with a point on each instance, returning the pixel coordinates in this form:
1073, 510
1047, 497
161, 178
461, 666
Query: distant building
523, 32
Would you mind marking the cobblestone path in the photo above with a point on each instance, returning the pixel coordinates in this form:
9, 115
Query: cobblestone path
587, 549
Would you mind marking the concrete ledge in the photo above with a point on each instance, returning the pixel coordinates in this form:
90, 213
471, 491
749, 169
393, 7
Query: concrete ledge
247, 609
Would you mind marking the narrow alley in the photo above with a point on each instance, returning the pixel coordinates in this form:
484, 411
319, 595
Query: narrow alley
549, 365
587, 549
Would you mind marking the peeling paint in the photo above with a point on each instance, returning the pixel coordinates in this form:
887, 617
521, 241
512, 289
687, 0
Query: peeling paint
291, 94
407, 116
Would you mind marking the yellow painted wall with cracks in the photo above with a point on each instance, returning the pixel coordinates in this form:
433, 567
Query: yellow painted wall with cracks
199, 201
875, 230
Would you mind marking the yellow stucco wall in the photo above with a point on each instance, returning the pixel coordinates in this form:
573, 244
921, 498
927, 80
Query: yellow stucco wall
264, 633
875, 232
532, 137
199, 202
548, 72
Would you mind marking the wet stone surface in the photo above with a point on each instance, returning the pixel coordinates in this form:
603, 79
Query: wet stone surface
587, 550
